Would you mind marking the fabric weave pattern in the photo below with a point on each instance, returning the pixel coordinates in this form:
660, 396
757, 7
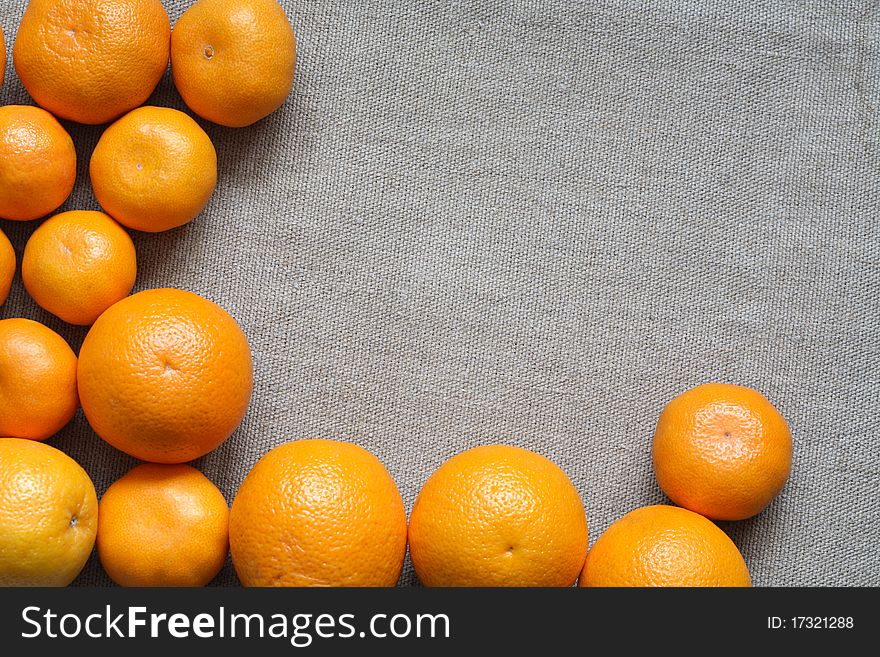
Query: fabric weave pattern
536, 222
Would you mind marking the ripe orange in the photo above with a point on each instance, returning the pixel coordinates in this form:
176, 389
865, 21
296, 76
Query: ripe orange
37, 163
318, 513
233, 60
163, 525
91, 61
154, 169
722, 451
37, 380
7, 266
48, 515
664, 546
78, 264
165, 375
498, 516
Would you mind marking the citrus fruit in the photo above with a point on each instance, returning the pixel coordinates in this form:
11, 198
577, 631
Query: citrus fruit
233, 60
37, 380
48, 515
664, 546
498, 516
154, 169
77, 264
163, 525
91, 61
37, 163
722, 451
318, 513
165, 375
7, 266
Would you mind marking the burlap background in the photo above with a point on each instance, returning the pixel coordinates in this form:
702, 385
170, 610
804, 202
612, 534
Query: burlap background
537, 222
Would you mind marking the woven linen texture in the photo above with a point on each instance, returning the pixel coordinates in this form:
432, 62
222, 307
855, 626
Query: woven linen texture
536, 223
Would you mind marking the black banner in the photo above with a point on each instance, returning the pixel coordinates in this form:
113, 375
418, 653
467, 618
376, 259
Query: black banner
399, 621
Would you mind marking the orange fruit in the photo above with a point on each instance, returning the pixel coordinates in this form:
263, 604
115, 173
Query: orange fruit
48, 515
722, 451
37, 380
233, 60
7, 266
664, 546
498, 516
78, 264
154, 169
165, 375
318, 513
37, 163
92, 61
163, 525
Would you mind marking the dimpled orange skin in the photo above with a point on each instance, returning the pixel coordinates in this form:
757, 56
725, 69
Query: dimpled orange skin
48, 515
77, 264
154, 169
233, 60
165, 376
91, 61
37, 163
318, 513
37, 380
163, 525
498, 516
7, 266
664, 546
722, 450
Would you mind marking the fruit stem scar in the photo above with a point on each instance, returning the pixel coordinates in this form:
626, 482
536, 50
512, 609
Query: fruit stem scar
73, 521
209, 52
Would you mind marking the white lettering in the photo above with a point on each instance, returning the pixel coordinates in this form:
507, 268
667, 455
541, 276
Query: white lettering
24, 617
89, 620
114, 624
247, 627
49, 616
278, 629
299, 638
77, 623
373, 626
178, 626
203, 626
154, 623
408, 629
134, 621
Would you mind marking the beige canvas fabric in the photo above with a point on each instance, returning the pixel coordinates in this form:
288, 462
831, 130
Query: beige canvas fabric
537, 222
